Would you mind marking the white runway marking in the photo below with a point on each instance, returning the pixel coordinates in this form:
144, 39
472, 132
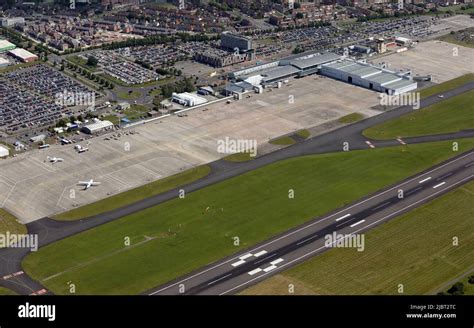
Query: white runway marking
257, 270
246, 256
270, 268
381, 205
439, 185
343, 217
424, 180
276, 261
304, 241
357, 223
260, 253
213, 282
238, 263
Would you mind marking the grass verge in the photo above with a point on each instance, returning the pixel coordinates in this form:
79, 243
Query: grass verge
283, 141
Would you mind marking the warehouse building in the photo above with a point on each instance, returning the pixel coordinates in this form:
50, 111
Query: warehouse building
6, 45
97, 126
368, 76
4, 152
188, 99
23, 55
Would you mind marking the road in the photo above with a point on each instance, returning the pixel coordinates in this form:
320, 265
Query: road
50, 231
284, 251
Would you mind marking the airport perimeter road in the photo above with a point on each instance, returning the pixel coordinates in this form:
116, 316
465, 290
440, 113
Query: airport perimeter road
49, 230
284, 251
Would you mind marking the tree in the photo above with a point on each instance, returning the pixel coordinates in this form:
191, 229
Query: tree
92, 61
457, 289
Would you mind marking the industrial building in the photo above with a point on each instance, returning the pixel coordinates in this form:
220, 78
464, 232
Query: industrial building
23, 55
4, 152
188, 99
6, 45
97, 126
368, 76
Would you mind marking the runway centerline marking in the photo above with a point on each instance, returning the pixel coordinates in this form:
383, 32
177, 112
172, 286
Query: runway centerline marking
357, 223
213, 282
343, 217
439, 185
303, 241
424, 180
381, 205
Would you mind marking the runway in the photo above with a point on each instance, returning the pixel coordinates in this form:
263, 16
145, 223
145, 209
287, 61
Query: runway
49, 230
282, 252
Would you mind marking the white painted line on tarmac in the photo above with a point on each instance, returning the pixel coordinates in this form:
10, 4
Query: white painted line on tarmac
424, 180
304, 241
276, 261
343, 217
238, 263
369, 144
260, 253
213, 282
381, 205
357, 223
439, 185
270, 268
257, 270
246, 256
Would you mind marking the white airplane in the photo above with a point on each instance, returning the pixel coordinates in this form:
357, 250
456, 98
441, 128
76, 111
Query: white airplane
88, 184
55, 159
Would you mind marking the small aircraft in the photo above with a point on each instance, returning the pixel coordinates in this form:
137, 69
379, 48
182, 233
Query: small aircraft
88, 184
55, 159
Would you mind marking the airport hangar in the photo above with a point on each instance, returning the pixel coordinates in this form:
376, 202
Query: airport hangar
328, 64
